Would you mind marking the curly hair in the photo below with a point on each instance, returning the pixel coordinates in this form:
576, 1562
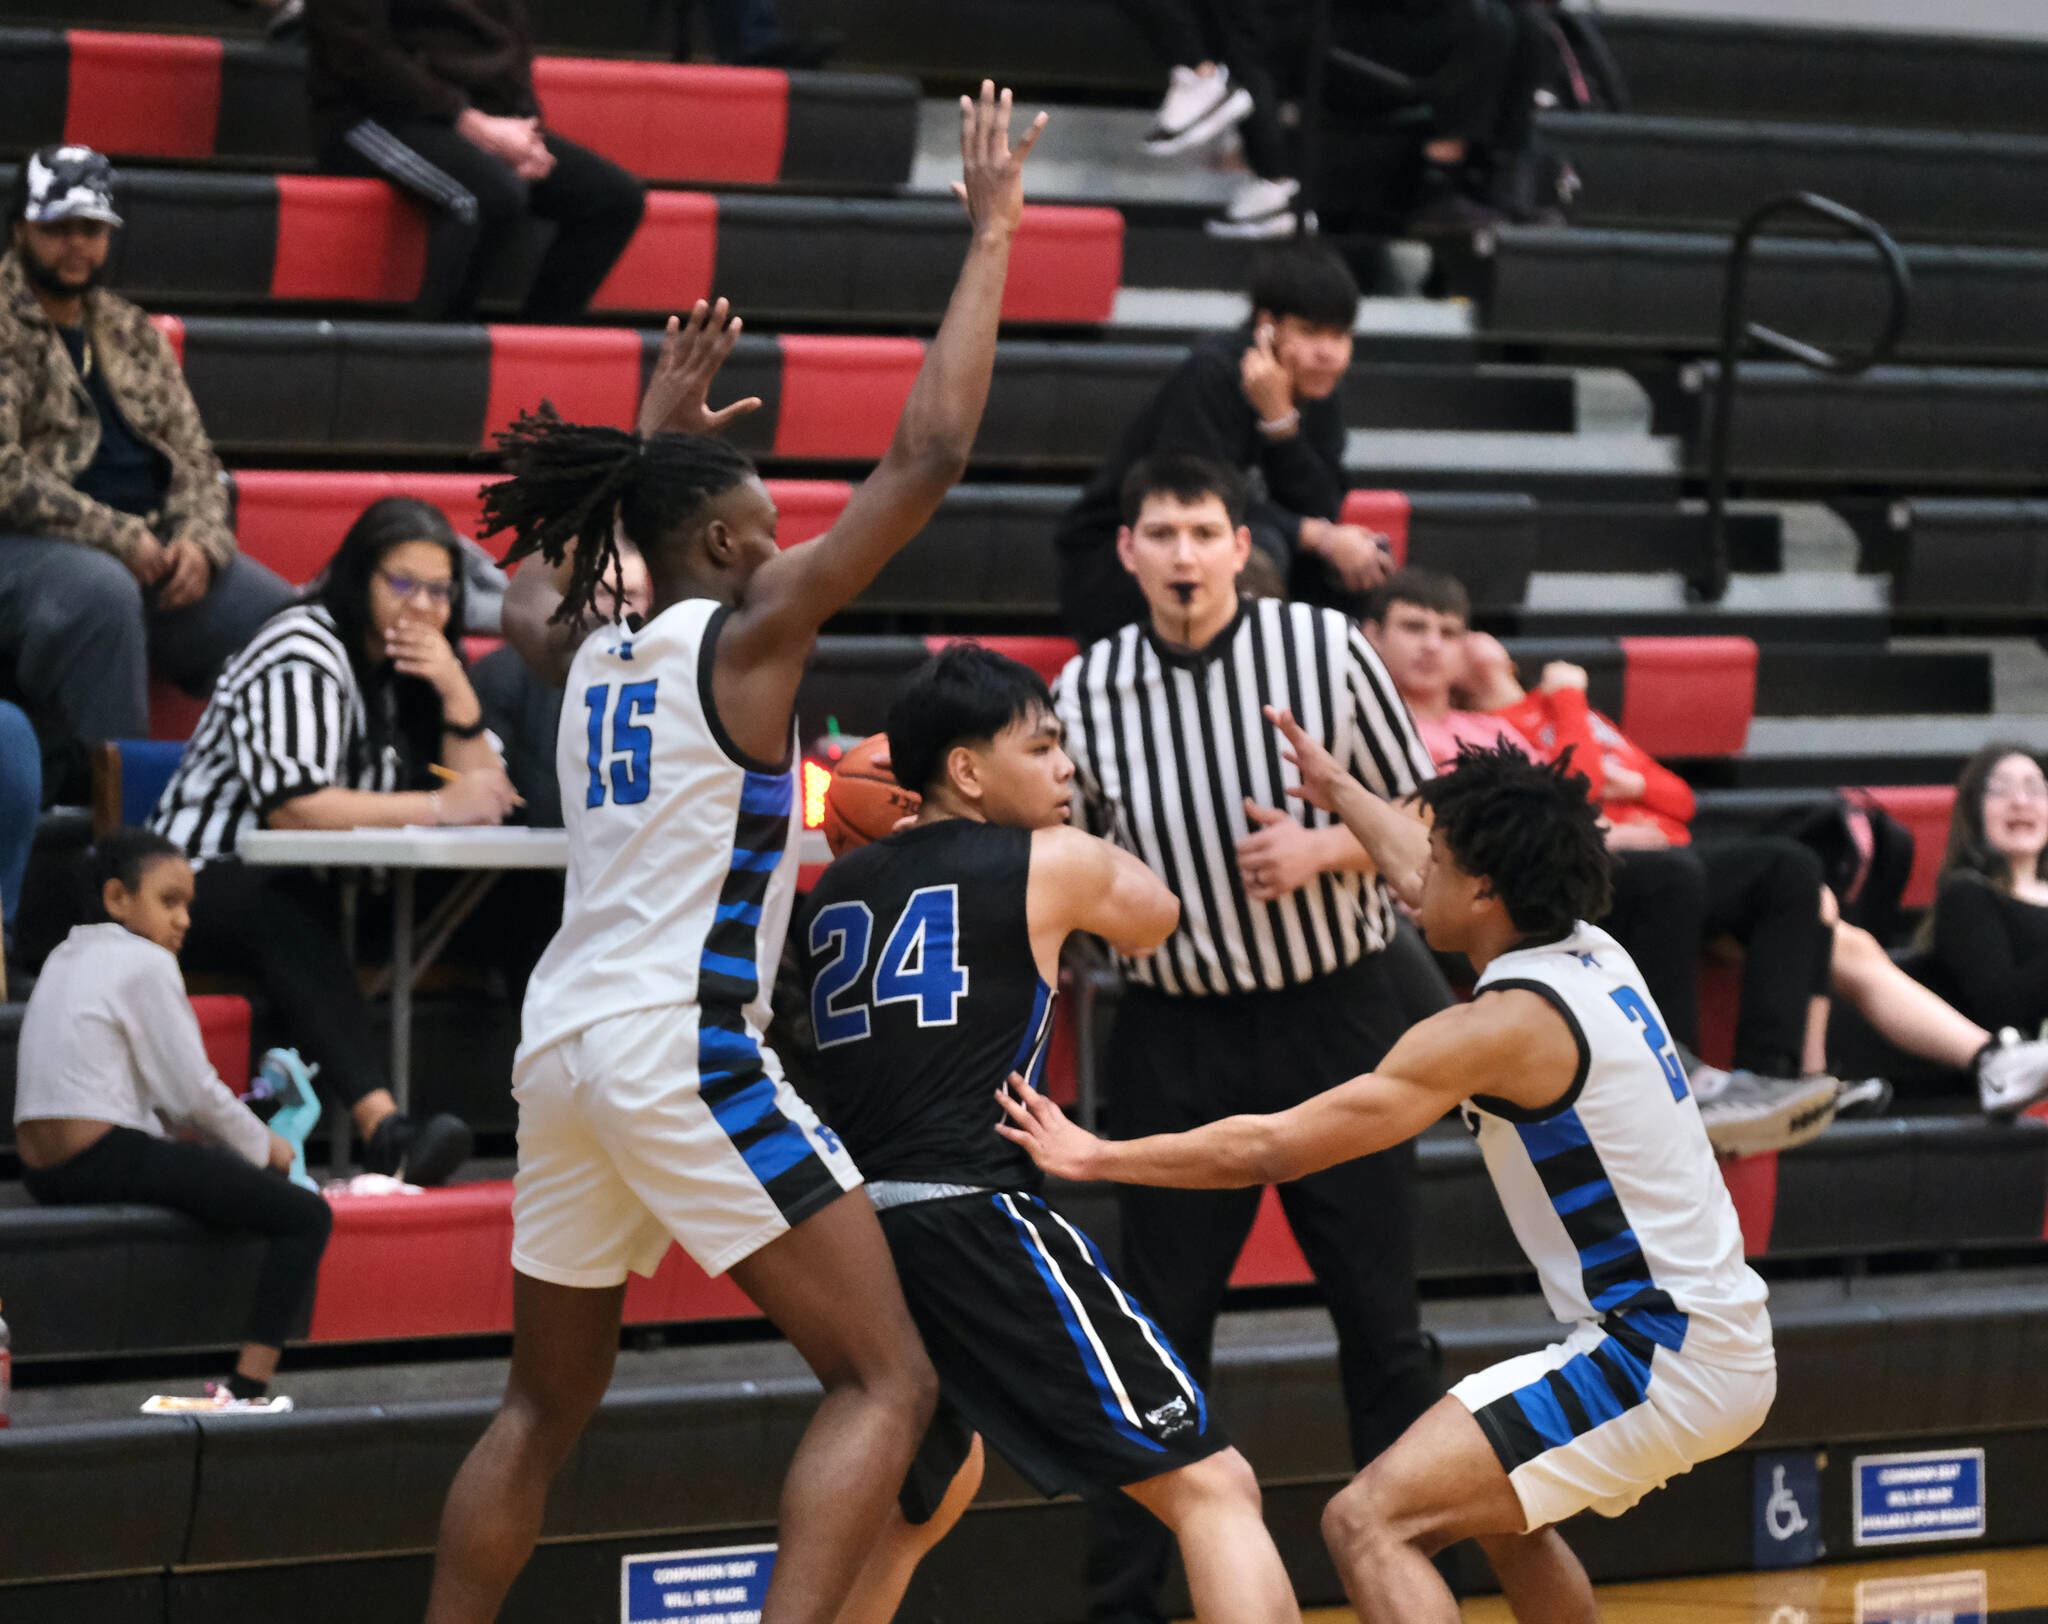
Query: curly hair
573, 485
1530, 830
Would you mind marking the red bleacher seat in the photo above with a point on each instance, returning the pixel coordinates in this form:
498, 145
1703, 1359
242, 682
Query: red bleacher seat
841, 396
1045, 655
1925, 809
146, 93
1384, 511
589, 374
341, 238
806, 507
671, 261
1065, 265
670, 121
1689, 696
224, 1029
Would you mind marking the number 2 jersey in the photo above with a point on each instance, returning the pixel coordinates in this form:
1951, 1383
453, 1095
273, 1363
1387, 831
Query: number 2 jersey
924, 995
681, 876
1614, 1192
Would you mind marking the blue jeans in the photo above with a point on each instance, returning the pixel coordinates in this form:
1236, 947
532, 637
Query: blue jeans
21, 797
79, 637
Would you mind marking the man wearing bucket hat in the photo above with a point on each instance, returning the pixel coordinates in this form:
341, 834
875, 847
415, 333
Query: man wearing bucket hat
115, 548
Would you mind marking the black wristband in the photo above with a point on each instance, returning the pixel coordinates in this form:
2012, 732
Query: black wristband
475, 730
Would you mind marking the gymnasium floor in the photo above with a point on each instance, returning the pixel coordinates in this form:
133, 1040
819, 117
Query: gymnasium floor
2008, 1586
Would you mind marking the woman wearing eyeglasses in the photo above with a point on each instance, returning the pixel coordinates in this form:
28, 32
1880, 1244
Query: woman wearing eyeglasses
1990, 924
335, 717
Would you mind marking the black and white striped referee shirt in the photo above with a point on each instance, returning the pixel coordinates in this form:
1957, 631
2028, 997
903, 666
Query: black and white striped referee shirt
1167, 745
285, 719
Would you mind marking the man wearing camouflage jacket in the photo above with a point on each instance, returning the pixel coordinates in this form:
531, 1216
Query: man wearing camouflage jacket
115, 548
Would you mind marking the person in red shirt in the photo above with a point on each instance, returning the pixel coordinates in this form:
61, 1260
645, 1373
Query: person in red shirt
1649, 808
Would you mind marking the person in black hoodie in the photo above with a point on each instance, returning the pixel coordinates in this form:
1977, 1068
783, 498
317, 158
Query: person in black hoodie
1263, 400
436, 96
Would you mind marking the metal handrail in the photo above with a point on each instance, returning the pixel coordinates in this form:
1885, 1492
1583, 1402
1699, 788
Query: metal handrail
1736, 330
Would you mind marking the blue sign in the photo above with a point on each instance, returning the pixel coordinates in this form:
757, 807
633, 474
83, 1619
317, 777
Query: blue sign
725, 1586
1935, 1495
1786, 1531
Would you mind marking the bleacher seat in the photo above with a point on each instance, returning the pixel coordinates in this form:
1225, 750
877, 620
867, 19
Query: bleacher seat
128, 777
185, 96
197, 238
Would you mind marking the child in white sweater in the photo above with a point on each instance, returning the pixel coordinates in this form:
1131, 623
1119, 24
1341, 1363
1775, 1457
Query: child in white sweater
111, 1065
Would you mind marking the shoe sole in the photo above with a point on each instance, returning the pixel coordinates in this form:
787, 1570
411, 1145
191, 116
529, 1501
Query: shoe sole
1272, 225
1796, 1120
2007, 1110
437, 1152
1232, 110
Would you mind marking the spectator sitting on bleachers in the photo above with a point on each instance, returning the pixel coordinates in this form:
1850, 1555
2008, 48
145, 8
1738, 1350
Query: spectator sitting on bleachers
115, 548
1262, 400
437, 97
334, 718
2010, 1074
112, 1063
1989, 930
21, 798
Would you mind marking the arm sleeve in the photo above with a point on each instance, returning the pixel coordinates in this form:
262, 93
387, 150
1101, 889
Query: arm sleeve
354, 42
196, 505
34, 500
1387, 753
1305, 471
170, 1060
1995, 982
290, 732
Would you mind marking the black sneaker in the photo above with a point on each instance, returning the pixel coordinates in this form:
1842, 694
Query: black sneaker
425, 1153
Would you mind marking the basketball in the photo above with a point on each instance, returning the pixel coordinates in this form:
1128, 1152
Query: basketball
865, 802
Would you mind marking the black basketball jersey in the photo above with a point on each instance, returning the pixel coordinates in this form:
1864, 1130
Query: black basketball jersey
924, 995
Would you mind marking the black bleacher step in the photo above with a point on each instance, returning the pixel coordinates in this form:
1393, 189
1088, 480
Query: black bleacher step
1889, 427
1766, 626
1970, 556
1662, 290
566, 23
1648, 537
1755, 771
1824, 679
1715, 68
1088, 45
1706, 174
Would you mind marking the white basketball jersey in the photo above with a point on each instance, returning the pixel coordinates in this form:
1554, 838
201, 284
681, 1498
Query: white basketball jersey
1613, 1192
681, 873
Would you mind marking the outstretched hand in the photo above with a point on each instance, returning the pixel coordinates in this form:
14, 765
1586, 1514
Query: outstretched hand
1041, 1127
1320, 774
677, 398
992, 187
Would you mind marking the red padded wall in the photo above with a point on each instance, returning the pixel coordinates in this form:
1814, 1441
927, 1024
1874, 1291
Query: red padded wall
672, 258
156, 95
592, 374
1065, 265
1384, 511
669, 120
292, 521
841, 396
341, 238
1689, 696
224, 1029
1926, 810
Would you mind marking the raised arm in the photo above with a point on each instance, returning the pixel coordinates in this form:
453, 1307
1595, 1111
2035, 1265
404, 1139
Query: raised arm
1512, 1044
1395, 842
792, 595
1079, 882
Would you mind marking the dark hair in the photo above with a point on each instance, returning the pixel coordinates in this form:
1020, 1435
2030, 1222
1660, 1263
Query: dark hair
1311, 282
573, 484
401, 711
965, 695
122, 854
1185, 477
1529, 830
1969, 850
1426, 589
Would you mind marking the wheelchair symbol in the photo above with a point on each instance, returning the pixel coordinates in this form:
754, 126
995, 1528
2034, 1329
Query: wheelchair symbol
1782, 1515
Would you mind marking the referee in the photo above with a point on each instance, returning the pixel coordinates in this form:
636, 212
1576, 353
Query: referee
1277, 983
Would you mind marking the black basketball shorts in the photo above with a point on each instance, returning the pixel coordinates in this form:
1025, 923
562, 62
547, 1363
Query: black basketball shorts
1039, 1350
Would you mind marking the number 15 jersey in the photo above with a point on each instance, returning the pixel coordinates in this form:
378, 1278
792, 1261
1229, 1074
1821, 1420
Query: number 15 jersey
680, 876
1613, 1191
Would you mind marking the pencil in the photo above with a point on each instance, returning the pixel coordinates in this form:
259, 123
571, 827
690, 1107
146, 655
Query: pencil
449, 775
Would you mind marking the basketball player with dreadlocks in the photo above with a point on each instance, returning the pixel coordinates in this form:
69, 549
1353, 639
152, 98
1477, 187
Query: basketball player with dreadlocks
650, 1106
1561, 1068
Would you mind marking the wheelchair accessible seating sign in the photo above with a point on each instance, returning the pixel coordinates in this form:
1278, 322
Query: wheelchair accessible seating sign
1935, 1495
725, 1586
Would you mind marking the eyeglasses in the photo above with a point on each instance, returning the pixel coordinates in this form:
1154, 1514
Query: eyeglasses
439, 593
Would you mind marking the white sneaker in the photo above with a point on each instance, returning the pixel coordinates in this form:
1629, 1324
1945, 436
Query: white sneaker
2012, 1074
1746, 1115
1262, 208
1198, 108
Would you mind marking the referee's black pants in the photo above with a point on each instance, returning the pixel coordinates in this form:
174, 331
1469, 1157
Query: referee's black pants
478, 203
1175, 1063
